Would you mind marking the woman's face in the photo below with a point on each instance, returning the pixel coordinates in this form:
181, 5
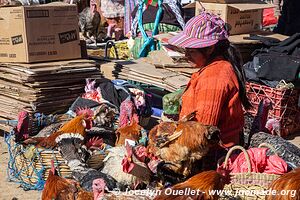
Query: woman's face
197, 58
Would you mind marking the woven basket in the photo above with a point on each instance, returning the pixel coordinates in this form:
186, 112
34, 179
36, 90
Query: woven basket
30, 166
248, 181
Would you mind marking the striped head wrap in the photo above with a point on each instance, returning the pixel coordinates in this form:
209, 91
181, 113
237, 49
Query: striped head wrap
201, 31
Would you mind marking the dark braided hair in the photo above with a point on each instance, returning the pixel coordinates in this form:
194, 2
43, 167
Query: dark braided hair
231, 54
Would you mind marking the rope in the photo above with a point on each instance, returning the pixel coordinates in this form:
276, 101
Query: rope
148, 41
22, 170
17, 175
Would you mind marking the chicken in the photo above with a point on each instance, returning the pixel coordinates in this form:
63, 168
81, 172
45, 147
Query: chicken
22, 128
196, 187
287, 186
81, 194
87, 176
72, 150
59, 188
128, 113
55, 184
113, 167
107, 134
131, 131
105, 115
95, 143
46, 131
181, 144
284, 149
75, 153
134, 163
78, 125
89, 21
100, 186
257, 123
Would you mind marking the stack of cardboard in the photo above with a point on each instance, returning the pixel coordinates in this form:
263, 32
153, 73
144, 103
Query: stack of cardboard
43, 87
142, 71
40, 65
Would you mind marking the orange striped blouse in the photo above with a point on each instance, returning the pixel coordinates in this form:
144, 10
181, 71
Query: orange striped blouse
213, 92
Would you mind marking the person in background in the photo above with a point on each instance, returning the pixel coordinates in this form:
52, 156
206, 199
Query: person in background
113, 11
288, 22
217, 91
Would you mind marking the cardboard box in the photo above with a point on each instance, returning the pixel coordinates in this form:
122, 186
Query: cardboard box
225, 1
39, 33
241, 17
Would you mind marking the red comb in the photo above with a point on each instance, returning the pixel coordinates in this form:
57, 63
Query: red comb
95, 142
85, 111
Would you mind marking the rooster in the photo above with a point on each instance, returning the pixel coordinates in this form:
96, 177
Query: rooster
87, 176
116, 166
60, 188
287, 186
77, 125
131, 132
81, 194
134, 163
55, 184
181, 144
22, 128
75, 153
200, 184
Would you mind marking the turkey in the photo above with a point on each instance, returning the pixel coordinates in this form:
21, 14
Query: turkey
89, 22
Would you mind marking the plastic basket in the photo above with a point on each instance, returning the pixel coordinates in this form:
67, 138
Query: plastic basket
284, 105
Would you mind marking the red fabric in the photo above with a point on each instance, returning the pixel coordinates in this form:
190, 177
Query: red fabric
269, 17
260, 163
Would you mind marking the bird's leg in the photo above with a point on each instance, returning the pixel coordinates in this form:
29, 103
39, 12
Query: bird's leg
136, 184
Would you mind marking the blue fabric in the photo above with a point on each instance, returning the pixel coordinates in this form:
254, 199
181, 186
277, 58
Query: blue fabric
149, 41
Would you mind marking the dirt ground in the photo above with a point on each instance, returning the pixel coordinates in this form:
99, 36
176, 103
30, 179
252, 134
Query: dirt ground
10, 190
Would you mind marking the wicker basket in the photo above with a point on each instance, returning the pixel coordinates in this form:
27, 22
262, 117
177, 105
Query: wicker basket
30, 166
284, 105
248, 185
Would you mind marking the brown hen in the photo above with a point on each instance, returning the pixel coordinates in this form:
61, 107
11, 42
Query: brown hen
55, 184
196, 187
131, 131
287, 186
180, 144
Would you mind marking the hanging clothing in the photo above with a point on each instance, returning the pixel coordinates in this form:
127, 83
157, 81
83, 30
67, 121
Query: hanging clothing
172, 15
139, 41
129, 7
213, 92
